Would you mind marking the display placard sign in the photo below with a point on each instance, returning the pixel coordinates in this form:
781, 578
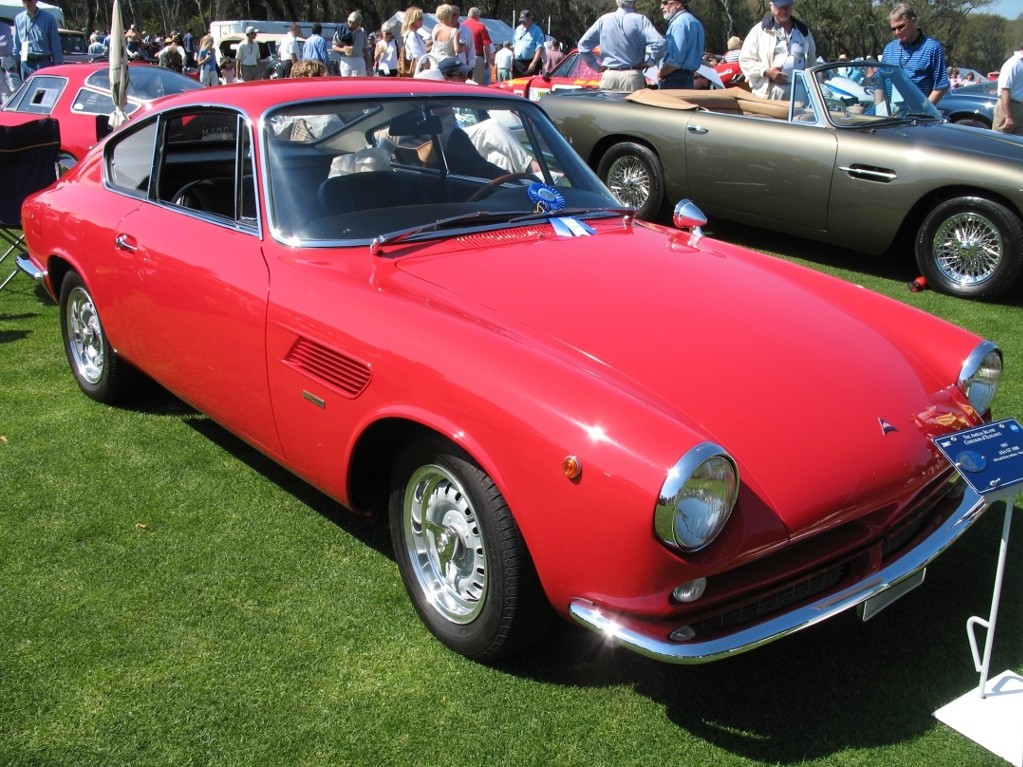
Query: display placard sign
989, 457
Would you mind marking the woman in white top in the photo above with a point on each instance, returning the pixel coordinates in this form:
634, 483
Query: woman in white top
413, 45
385, 57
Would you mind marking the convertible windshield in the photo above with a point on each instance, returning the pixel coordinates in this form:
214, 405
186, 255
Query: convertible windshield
349, 171
867, 92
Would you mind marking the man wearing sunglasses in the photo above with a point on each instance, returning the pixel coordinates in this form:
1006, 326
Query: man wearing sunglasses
683, 46
921, 57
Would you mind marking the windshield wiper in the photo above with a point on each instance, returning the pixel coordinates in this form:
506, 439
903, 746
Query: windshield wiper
485, 217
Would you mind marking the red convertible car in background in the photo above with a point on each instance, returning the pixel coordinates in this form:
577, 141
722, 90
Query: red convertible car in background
78, 97
576, 71
417, 297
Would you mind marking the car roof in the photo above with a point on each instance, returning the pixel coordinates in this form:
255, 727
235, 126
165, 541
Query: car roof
261, 96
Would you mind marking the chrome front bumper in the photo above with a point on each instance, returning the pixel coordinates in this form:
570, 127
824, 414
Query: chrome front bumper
650, 639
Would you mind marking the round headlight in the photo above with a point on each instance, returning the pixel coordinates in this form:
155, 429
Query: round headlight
697, 498
980, 376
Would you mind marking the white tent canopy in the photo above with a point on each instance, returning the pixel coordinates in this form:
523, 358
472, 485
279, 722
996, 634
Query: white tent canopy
499, 31
9, 10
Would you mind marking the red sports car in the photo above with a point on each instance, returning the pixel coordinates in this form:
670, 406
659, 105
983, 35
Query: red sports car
78, 97
418, 298
576, 71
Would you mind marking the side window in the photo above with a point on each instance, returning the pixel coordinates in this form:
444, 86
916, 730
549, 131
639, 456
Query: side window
40, 95
96, 103
130, 160
207, 165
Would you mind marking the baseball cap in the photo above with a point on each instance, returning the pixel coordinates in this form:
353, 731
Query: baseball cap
251, 30
781, 3
525, 15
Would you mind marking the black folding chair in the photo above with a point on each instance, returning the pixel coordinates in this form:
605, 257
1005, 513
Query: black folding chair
28, 163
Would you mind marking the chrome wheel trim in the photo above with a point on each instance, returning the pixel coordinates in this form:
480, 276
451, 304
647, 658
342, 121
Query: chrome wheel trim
967, 248
629, 180
85, 336
444, 544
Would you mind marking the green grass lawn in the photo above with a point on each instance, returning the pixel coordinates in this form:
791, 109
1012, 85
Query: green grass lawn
170, 597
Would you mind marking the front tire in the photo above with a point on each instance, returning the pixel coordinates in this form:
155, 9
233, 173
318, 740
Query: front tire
461, 556
633, 174
100, 373
970, 247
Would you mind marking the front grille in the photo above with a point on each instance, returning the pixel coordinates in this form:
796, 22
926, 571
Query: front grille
773, 602
851, 561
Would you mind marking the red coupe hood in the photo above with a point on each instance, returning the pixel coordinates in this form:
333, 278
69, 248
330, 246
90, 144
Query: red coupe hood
770, 360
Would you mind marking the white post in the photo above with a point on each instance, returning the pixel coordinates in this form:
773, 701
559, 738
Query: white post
983, 664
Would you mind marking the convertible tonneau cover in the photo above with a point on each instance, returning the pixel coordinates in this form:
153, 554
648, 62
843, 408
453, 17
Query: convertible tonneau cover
733, 100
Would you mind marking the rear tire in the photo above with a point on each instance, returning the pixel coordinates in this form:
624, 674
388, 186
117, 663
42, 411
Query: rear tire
461, 556
100, 373
633, 174
970, 247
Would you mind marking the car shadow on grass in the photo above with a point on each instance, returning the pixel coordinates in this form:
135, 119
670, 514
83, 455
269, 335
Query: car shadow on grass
841, 685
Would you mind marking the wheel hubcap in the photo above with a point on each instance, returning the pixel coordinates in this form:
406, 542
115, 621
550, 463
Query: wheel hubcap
628, 180
444, 544
85, 336
967, 248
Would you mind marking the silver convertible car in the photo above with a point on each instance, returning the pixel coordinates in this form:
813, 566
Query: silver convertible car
858, 158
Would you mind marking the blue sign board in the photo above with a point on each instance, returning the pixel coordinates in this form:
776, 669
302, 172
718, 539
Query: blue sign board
989, 457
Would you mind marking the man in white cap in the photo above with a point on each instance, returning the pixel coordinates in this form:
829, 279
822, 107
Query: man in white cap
773, 49
1009, 109
628, 42
248, 57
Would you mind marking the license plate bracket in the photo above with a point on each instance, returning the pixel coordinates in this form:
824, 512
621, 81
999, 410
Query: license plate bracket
871, 607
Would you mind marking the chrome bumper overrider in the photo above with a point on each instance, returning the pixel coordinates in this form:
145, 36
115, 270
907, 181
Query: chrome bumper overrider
647, 638
29, 267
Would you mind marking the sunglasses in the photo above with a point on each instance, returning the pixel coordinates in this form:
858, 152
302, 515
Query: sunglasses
899, 27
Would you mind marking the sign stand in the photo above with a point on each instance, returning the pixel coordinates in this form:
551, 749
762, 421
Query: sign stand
990, 459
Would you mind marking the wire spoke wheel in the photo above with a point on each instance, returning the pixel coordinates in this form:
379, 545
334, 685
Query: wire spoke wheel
968, 248
629, 181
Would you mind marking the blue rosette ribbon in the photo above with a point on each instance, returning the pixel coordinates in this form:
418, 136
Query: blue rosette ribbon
546, 198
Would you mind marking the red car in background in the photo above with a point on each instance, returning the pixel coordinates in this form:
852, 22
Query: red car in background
576, 72
78, 97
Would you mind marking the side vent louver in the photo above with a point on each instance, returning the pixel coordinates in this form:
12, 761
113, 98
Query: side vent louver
345, 375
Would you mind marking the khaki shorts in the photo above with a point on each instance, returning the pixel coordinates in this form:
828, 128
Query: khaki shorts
1017, 115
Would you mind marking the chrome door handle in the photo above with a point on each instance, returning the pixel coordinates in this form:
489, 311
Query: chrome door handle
697, 129
124, 242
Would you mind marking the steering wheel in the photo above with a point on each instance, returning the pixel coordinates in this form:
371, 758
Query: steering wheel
491, 186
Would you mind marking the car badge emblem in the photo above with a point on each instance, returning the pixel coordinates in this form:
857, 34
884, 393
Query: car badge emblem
886, 428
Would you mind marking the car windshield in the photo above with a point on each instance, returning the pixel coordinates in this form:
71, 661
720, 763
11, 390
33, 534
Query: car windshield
352, 171
858, 93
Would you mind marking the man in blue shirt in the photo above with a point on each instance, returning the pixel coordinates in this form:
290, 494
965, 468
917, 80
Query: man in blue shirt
683, 46
316, 47
628, 42
527, 47
920, 57
36, 40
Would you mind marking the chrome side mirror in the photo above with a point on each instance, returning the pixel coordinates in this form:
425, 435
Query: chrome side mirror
688, 216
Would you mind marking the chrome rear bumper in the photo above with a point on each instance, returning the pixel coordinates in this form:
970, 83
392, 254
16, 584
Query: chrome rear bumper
28, 266
650, 639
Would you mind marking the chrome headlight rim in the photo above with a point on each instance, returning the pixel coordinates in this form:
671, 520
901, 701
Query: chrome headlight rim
673, 493
980, 376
